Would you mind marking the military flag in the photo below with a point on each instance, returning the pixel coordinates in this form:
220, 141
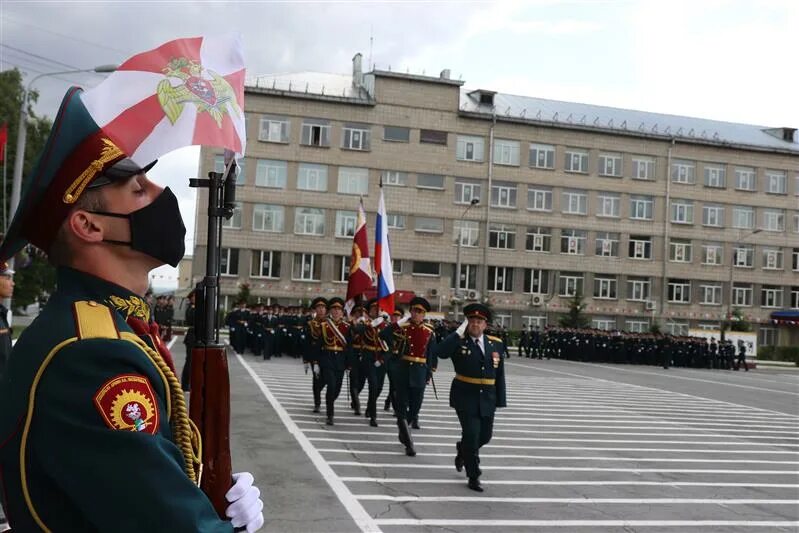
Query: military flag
185, 92
383, 266
360, 279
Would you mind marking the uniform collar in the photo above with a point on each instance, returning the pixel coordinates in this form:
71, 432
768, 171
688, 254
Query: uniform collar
89, 287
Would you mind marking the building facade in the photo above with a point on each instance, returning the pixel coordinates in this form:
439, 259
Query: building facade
650, 217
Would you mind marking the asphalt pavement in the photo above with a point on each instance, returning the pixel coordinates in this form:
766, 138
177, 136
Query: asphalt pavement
581, 448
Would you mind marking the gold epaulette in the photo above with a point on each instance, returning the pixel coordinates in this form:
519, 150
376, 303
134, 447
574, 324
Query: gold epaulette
428, 326
495, 339
94, 321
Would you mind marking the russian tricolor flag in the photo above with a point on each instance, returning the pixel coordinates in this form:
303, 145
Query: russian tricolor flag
383, 266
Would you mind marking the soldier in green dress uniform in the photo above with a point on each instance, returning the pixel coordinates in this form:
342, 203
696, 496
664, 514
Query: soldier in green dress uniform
478, 388
95, 431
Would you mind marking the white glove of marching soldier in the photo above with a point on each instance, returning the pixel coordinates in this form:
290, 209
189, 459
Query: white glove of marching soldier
461, 331
377, 321
316, 370
245, 509
404, 319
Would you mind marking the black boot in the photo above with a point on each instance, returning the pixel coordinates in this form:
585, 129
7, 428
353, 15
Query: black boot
415, 423
387, 406
316, 408
356, 406
405, 437
458, 457
329, 421
373, 422
474, 484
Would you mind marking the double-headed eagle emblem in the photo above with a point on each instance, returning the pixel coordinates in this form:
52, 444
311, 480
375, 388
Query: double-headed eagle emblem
204, 88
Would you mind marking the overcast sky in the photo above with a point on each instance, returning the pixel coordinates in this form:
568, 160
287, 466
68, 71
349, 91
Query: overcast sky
726, 60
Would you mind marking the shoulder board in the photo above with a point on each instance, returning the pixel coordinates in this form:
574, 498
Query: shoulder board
405, 325
428, 326
494, 339
94, 321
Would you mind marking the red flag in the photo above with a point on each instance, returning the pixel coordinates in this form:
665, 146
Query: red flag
3, 141
360, 270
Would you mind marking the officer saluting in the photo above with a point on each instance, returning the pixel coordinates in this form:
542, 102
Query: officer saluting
478, 388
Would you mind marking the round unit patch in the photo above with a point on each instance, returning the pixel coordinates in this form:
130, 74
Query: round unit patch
127, 403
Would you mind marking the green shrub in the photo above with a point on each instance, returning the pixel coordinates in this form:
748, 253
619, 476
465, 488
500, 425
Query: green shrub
779, 353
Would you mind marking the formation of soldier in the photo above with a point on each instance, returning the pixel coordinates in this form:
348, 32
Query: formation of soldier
267, 330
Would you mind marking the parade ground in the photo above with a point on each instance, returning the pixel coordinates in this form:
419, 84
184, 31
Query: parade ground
580, 447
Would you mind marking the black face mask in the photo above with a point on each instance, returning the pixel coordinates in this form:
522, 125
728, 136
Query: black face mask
156, 230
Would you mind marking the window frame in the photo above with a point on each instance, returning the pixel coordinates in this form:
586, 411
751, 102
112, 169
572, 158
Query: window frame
549, 156
582, 201
604, 160
606, 287
462, 150
506, 282
315, 266
501, 232
284, 132
580, 156
316, 218
259, 254
307, 172
309, 127
356, 137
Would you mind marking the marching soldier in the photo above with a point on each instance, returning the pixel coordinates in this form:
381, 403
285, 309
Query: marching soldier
357, 374
374, 360
189, 340
417, 362
312, 352
741, 355
333, 359
236, 322
478, 388
392, 357
6, 290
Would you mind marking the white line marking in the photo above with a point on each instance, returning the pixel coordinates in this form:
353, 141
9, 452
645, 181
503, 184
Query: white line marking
451, 481
572, 469
171, 343
363, 520
588, 501
584, 523
566, 458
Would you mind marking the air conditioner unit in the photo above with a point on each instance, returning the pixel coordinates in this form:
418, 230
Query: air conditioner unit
650, 305
472, 295
536, 300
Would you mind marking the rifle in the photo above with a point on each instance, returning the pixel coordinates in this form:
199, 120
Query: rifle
209, 406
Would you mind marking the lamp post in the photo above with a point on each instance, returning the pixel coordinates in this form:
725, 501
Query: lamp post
458, 293
741, 239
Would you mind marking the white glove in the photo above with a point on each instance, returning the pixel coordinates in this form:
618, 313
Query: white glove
377, 364
404, 319
377, 321
245, 509
461, 331
316, 370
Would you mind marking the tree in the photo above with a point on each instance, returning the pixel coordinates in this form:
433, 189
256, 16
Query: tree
35, 278
575, 317
244, 293
738, 321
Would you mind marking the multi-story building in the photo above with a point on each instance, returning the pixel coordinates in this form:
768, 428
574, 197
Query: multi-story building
649, 216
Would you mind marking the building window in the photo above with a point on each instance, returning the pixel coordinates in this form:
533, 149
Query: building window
430, 181
794, 297
502, 237
535, 321
796, 223
345, 223
642, 207
682, 211
609, 205
269, 173
426, 268
433, 137
795, 260
355, 137
468, 277
680, 251
395, 221
268, 218
395, 178
640, 247
219, 166
396, 266
396, 134
506, 152
742, 294
229, 261
503, 194
610, 165
265, 264
342, 268
677, 328
771, 296
772, 259
745, 179
307, 267
539, 199
470, 148
575, 202
773, 220
607, 244
311, 177
570, 284
429, 225
679, 291
604, 323
234, 222
712, 254
274, 129
353, 180
776, 182
709, 326
743, 217
503, 321
466, 190
315, 132
638, 289
576, 161
538, 239
710, 294
683, 172
636, 326
605, 287
309, 221
572, 241
643, 168
500, 279
536, 281
467, 231
715, 176
767, 337
542, 156
744, 256
713, 215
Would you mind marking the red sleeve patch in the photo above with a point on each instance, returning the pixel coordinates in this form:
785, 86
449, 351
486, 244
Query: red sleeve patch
127, 403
